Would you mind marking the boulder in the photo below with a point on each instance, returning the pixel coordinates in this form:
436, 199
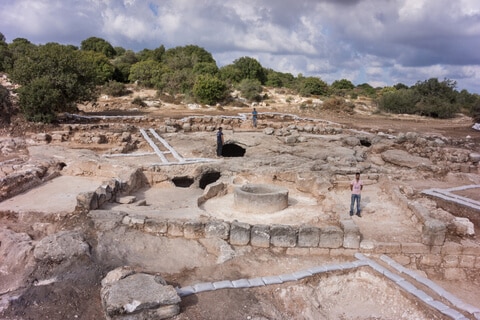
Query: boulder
16, 260
283, 236
331, 237
260, 236
61, 246
139, 296
217, 229
308, 236
404, 159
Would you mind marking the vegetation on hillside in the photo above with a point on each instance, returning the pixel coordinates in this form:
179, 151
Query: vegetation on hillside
54, 77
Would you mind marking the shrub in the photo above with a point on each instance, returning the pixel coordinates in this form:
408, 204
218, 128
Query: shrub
399, 101
6, 107
114, 89
251, 89
209, 89
139, 102
338, 105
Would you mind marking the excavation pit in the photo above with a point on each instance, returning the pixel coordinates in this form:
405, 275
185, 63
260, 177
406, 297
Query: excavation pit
260, 198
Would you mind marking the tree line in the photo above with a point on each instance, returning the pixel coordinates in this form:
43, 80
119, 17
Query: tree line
54, 77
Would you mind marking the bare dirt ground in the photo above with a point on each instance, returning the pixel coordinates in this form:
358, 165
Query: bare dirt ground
74, 294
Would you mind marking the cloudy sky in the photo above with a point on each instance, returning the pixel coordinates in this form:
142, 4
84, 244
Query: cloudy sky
381, 42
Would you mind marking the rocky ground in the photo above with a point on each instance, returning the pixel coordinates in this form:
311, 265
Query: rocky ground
51, 165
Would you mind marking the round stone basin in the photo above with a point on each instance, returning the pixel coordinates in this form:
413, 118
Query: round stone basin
260, 198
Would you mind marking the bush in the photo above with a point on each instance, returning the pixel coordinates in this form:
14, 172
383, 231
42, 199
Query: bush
251, 89
399, 101
114, 89
6, 107
338, 105
139, 102
209, 89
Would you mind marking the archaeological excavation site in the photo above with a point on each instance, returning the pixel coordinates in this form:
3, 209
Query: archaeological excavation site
121, 214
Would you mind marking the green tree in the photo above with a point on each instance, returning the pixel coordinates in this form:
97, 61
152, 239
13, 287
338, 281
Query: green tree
53, 77
186, 57
155, 54
230, 74
251, 89
209, 89
250, 68
312, 86
343, 84
279, 79
366, 90
98, 45
5, 55
342, 87
178, 81
205, 68
6, 106
398, 101
122, 64
104, 70
148, 73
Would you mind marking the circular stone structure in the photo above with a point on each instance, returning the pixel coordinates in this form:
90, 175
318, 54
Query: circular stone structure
260, 198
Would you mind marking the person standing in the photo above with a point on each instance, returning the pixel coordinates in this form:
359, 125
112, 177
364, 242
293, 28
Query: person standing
356, 187
219, 142
254, 117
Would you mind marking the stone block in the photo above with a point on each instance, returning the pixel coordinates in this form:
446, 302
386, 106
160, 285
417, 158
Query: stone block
414, 248
473, 250
298, 251
239, 233
450, 261
451, 248
260, 236
193, 229
433, 232
308, 236
283, 236
155, 226
140, 296
431, 260
388, 247
455, 274
87, 201
351, 234
341, 252
217, 229
175, 228
467, 261
319, 251
331, 237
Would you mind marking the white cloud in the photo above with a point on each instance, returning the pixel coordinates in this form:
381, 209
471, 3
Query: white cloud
373, 41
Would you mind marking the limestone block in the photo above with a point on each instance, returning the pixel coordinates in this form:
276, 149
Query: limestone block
87, 201
463, 226
433, 232
16, 258
450, 261
61, 246
451, 248
140, 296
351, 234
388, 247
404, 159
308, 236
175, 228
331, 237
260, 236
431, 260
415, 248
126, 199
217, 229
239, 233
467, 261
283, 236
455, 274
155, 226
193, 229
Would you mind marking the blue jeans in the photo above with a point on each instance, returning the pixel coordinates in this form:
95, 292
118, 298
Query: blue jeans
357, 198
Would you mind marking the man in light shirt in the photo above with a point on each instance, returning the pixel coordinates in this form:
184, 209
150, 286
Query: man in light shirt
356, 187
